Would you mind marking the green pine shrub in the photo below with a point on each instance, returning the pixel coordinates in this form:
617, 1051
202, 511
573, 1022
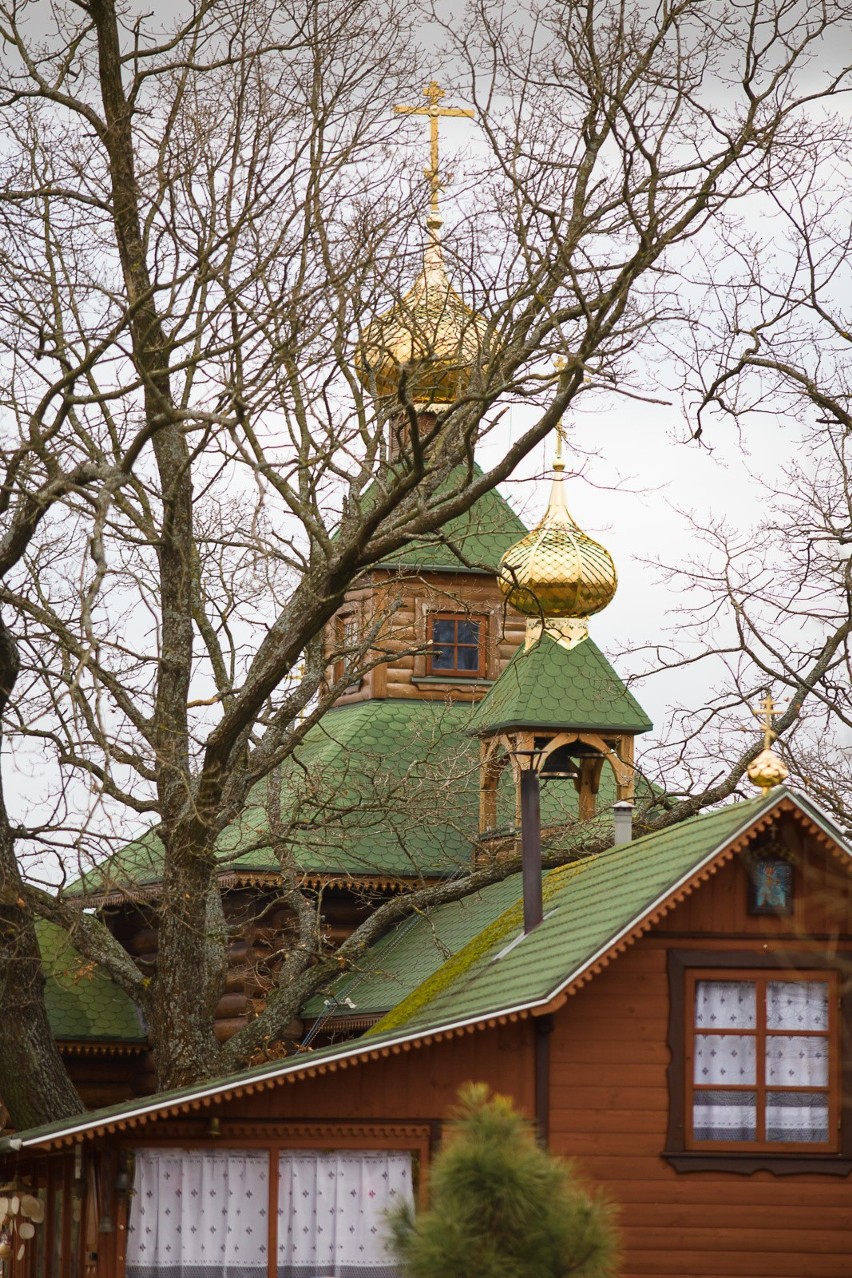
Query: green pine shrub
502, 1207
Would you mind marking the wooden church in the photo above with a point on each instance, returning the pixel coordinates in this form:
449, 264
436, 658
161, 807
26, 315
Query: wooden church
673, 1012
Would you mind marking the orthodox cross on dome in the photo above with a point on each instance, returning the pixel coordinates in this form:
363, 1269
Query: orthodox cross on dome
767, 770
433, 94
766, 712
558, 464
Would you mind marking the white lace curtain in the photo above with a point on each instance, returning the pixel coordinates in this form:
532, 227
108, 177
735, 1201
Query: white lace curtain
331, 1213
205, 1213
726, 1055
199, 1214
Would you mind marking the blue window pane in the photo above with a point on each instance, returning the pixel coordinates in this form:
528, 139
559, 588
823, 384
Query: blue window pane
469, 632
443, 658
443, 631
468, 658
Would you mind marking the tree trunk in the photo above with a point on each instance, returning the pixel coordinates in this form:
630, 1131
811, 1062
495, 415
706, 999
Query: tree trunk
192, 956
34, 1085
191, 971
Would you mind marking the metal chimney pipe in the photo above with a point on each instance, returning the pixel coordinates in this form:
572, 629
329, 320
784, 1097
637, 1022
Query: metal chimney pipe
622, 823
531, 848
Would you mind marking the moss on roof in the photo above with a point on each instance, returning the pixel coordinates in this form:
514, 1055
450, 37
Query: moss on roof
83, 1004
589, 904
549, 686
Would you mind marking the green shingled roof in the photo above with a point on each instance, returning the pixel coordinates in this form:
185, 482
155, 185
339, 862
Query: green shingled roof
83, 1005
363, 790
548, 686
473, 542
589, 905
379, 787
385, 788
407, 956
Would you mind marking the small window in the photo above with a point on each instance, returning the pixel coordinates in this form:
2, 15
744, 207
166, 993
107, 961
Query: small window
761, 1061
456, 646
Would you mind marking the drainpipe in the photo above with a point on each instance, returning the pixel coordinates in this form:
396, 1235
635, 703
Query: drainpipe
622, 823
531, 848
543, 1030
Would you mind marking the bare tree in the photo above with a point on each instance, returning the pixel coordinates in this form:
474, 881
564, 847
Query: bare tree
197, 227
770, 604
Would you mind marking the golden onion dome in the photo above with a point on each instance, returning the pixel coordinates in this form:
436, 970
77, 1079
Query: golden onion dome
557, 570
767, 770
429, 343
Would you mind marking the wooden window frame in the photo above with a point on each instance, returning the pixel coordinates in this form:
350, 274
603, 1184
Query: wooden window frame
479, 619
687, 965
762, 1036
349, 615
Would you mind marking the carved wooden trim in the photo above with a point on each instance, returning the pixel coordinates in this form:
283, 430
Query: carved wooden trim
283, 1134
73, 1047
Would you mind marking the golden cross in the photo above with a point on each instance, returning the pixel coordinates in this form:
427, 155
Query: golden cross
433, 94
766, 712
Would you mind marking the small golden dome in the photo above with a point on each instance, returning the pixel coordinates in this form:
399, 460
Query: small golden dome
767, 770
431, 339
557, 570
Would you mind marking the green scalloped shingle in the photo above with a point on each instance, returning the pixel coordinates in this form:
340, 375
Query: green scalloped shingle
473, 542
364, 787
396, 793
548, 686
83, 1004
408, 955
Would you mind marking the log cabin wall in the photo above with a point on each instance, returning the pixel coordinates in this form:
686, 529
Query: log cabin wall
260, 927
406, 602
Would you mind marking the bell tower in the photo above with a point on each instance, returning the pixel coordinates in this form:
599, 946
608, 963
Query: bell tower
559, 709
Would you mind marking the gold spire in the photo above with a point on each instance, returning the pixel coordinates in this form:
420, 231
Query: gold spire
767, 770
430, 341
557, 571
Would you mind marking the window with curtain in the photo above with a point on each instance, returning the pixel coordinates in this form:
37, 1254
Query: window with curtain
761, 1060
332, 1211
205, 1213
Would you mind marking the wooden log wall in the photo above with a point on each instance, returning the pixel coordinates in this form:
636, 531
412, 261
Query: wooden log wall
261, 928
407, 602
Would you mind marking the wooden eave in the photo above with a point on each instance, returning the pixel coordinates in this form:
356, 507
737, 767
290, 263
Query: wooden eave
147, 893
